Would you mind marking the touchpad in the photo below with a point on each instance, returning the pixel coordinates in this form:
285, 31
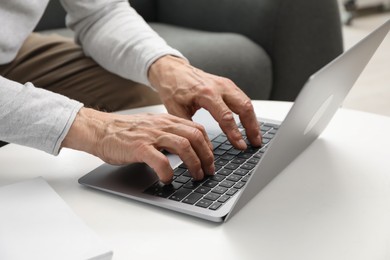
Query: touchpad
126, 179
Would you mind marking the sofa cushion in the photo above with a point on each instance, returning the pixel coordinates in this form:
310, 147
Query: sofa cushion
146, 8
225, 54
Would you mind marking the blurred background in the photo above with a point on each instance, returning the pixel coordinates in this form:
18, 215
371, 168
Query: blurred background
371, 92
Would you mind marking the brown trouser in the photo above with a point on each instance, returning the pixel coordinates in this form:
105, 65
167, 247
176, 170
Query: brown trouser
58, 64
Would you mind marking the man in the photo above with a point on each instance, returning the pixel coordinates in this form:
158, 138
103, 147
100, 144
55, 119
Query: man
123, 50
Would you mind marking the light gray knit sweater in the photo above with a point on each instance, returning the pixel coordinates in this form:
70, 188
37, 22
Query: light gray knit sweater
110, 31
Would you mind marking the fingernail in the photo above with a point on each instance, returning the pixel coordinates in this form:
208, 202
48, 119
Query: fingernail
212, 170
200, 174
242, 144
258, 138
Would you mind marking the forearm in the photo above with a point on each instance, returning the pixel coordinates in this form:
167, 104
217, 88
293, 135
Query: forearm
34, 117
116, 37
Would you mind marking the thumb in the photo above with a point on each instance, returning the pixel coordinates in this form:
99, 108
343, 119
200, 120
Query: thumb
180, 111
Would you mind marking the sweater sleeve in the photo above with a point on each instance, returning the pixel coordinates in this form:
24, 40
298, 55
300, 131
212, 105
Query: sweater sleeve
116, 37
35, 117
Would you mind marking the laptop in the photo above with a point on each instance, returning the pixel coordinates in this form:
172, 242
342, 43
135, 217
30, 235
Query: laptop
240, 175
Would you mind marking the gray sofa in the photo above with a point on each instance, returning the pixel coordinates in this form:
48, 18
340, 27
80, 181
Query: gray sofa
267, 47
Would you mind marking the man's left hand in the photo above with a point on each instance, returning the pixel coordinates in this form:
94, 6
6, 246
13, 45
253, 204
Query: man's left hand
184, 89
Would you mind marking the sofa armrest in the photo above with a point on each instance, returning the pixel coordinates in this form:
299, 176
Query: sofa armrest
300, 36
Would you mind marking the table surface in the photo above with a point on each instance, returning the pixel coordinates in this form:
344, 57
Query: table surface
332, 202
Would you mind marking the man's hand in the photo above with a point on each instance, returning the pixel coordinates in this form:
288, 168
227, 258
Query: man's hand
184, 89
123, 139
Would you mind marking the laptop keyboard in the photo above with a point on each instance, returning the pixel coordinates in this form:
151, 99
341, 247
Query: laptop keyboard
232, 170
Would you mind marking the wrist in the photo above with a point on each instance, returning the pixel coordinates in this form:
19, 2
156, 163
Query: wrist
163, 68
84, 133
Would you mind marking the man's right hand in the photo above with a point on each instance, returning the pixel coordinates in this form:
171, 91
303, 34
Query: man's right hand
124, 139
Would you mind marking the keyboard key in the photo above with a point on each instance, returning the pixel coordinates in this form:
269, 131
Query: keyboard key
212, 196
219, 152
178, 171
238, 160
219, 190
234, 151
182, 179
231, 192
241, 172
192, 198
215, 206
266, 140
265, 127
225, 147
220, 139
221, 162
217, 177
225, 172
227, 156
272, 131
263, 149
253, 160
183, 166
227, 184
239, 185
223, 198
234, 178
232, 166
268, 135
245, 179
245, 155
202, 190
210, 183
192, 185
258, 155
246, 166
186, 174
180, 194
252, 149
176, 185
204, 203
215, 145
158, 189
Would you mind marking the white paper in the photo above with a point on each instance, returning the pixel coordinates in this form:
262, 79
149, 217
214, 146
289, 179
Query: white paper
35, 223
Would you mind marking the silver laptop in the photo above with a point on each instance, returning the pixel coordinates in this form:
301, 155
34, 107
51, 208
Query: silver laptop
240, 175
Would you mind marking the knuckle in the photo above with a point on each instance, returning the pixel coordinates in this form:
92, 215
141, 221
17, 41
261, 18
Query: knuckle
247, 106
142, 150
200, 127
229, 82
184, 144
220, 80
227, 116
206, 91
197, 135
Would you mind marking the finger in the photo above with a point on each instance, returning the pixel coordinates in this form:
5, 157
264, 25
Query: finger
242, 105
179, 111
199, 144
196, 125
158, 162
182, 147
224, 116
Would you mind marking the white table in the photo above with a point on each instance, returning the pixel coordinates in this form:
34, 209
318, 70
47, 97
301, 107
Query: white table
332, 202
